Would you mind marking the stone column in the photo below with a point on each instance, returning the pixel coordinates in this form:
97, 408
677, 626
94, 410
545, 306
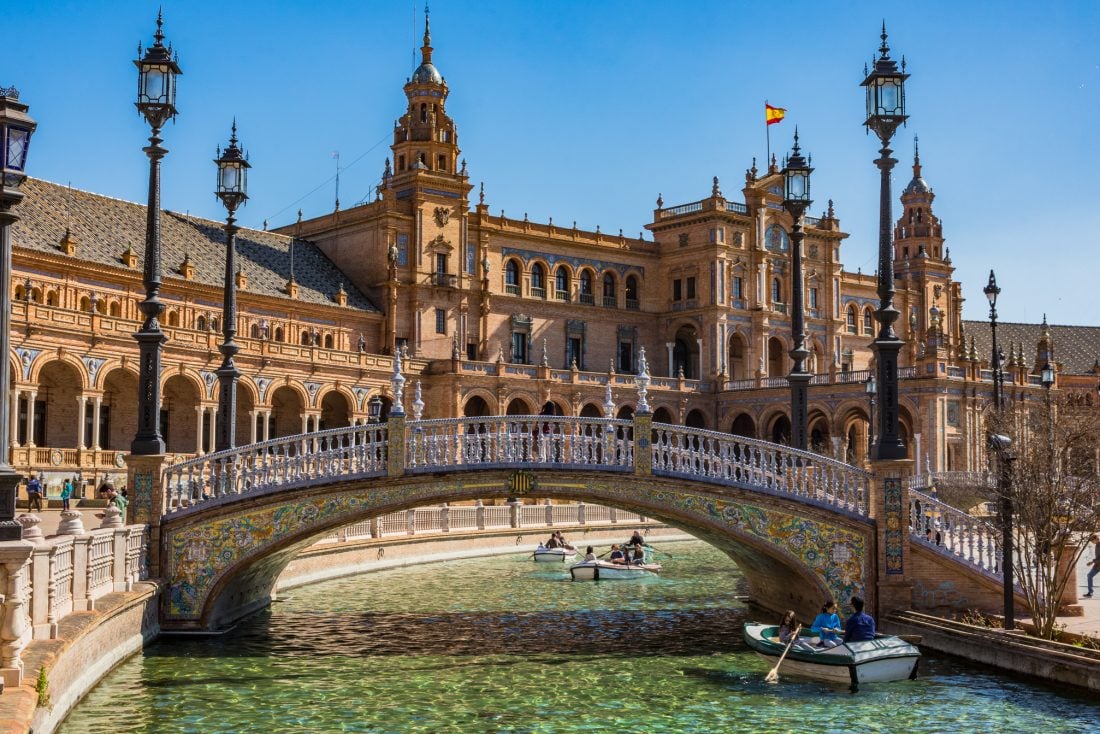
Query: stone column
305, 422
267, 425
252, 415
13, 429
213, 411
670, 346
15, 628
890, 511
81, 409
199, 412
31, 397
97, 409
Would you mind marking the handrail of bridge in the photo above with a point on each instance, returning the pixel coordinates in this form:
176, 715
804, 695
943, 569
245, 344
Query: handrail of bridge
956, 478
352, 452
969, 539
711, 456
522, 442
509, 440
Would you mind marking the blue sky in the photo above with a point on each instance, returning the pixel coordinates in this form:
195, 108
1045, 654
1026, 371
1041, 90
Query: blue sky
588, 110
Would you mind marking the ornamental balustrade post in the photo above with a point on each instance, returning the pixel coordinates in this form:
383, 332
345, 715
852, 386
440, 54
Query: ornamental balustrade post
395, 444
890, 511
580, 513
40, 583
444, 518
121, 582
410, 522
15, 627
643, 453
479, 513
145, 477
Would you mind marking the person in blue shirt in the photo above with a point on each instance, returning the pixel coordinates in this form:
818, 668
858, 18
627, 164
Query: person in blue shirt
860, 626
827, 625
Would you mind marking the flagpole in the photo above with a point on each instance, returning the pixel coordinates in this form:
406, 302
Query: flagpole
768, 128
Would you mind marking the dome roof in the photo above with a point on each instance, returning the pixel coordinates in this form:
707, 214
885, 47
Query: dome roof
917, 186
426, 73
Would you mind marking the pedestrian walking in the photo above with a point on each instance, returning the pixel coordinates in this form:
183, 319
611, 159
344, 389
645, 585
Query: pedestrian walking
1095, 562
34, 494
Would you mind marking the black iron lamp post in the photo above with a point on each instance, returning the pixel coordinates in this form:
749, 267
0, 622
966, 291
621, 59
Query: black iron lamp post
796, 200
885, 87
232, 189
871, 389
1002, 446
16, 129
157, 71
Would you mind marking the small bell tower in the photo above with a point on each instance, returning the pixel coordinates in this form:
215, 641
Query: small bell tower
425, 138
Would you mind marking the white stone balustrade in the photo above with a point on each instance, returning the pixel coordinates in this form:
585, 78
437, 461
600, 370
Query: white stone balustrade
527, 442
969, 539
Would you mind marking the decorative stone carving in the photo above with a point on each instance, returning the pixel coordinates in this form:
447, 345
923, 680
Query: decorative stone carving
72, 523
31, 531
112, 518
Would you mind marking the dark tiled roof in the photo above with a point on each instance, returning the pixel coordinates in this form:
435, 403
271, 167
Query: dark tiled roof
104, 227
1076, 348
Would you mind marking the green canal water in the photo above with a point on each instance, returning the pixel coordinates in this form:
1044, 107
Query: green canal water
504, 645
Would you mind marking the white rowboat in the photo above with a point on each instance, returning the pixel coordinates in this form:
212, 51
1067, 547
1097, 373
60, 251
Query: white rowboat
543, 554
880, 660
604, 571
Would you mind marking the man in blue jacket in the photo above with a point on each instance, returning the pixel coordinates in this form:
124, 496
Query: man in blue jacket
860, 626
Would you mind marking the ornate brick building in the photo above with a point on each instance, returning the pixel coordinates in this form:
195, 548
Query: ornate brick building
497, 315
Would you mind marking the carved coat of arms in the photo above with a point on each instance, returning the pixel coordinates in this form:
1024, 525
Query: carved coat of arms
442, 215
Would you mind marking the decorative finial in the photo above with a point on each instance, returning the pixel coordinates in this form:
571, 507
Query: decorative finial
831, 214
265, 225
159, 35
608, 401
642, 382
545, 358
397, 382
500, 353
795, 151
660, 201
462, 171
387, 172
714, 190
418, 403
611, 366
481, 194
456, 354
884, 49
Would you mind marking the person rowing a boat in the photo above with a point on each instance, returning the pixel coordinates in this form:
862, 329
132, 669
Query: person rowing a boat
590, 556
552, 542
563, 543
788, 630
636, 539
638, 556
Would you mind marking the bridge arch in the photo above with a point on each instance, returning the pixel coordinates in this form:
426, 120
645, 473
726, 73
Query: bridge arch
223, 559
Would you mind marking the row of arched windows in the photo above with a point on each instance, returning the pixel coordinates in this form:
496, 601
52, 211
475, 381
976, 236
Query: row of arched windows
562, 282
853, 319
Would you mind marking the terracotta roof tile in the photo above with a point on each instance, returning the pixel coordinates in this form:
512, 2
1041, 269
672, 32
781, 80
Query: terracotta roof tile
104, 228
1076, 348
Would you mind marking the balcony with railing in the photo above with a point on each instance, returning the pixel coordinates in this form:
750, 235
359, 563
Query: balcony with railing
587, 299
561, 296
538, 292
511, 289
610, 302
445, 280
633, 304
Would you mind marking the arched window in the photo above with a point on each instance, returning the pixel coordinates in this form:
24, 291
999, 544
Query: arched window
632, 292
200, 323
279, 334
116, 308
538, 281
868, 322
423, 113
36, 295
586, 288
851, 319
304, 338
328, 341
173, 318
561, 283
20, 293
254, 331
777, 291
609, 299
51, 298
511, 277
213, 324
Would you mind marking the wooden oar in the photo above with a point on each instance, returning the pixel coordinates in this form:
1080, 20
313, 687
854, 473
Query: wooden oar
773, 674
657, 550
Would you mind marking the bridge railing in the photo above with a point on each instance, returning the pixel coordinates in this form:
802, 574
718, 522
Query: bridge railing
973, 540
956, 478
349, 453
519, 441
726, 459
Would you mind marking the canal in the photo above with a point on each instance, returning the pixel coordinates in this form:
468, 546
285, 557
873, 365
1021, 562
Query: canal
501, 644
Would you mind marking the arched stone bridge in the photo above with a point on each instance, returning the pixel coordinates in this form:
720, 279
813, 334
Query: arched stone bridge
800, 526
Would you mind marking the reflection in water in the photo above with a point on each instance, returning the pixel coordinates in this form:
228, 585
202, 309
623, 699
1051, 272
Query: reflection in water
501, 645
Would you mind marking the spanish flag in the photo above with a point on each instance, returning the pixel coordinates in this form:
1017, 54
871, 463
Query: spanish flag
773, 115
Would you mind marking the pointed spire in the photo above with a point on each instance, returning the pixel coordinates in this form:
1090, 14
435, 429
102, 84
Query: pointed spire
159, 35
397, 384
481, 194
884, 49
831, 214
426, 49
916, 157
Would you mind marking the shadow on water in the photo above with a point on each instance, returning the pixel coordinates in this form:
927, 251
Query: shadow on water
572, 633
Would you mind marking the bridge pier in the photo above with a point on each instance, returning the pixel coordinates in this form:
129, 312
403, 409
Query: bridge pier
148, 500
890, 511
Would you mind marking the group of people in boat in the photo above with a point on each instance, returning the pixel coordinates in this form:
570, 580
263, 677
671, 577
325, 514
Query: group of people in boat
826, 627
557, 540
630, 553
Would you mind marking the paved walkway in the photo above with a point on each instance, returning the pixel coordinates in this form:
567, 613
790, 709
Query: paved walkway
1087, 624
